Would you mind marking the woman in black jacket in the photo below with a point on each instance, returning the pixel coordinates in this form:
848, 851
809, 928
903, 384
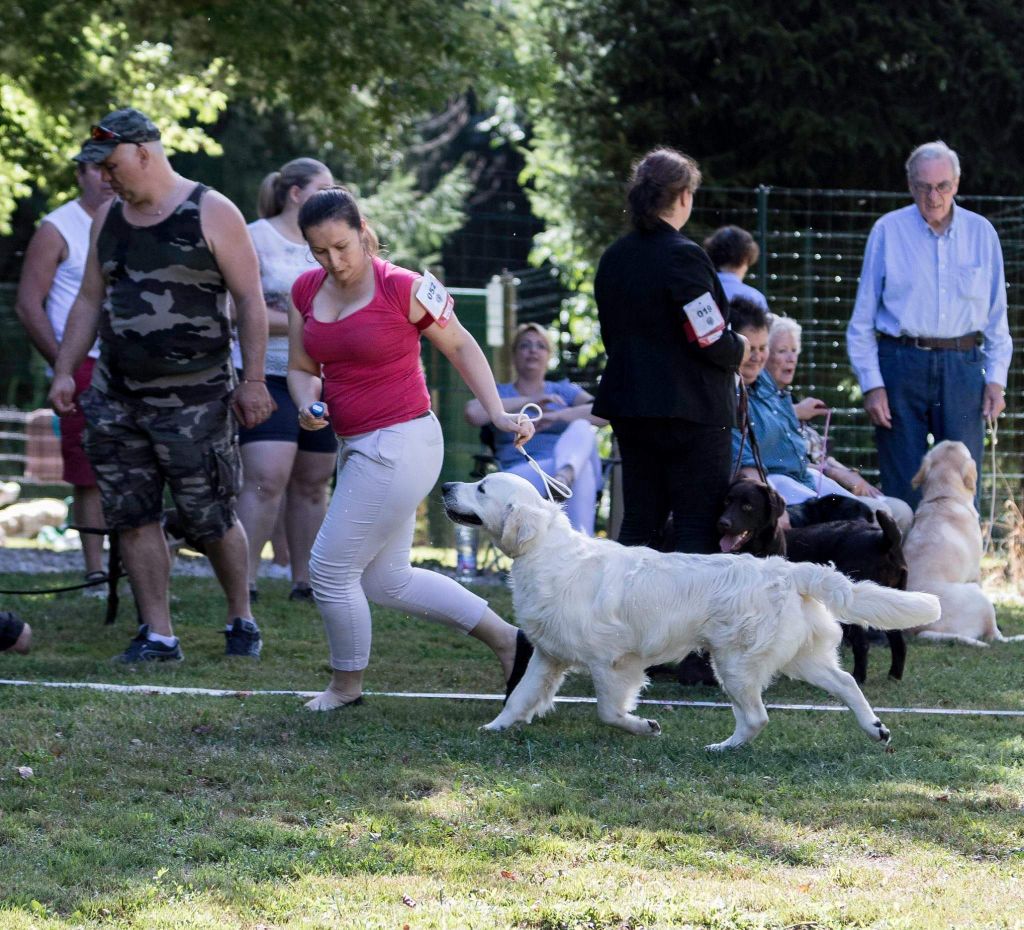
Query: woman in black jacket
669, 385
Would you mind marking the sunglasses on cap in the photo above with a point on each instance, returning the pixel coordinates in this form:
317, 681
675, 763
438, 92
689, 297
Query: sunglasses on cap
100, 133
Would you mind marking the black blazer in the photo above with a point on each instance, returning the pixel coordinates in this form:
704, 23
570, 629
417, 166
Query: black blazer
653, 370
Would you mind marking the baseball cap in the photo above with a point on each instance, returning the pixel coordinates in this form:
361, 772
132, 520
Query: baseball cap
125, 125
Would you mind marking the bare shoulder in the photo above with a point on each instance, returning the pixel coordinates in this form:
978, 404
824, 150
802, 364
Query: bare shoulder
215, 208
223, 224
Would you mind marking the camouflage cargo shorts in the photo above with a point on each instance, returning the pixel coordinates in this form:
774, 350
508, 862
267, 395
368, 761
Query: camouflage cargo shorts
137, 450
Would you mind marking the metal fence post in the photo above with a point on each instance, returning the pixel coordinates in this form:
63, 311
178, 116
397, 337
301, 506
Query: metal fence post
504, 370
762, 237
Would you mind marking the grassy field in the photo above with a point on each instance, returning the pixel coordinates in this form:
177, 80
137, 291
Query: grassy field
247, 812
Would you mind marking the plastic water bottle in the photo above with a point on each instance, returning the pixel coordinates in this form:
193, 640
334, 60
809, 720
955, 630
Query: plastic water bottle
465, 551
317, 409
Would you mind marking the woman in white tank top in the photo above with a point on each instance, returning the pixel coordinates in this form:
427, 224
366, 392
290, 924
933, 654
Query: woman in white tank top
285, 470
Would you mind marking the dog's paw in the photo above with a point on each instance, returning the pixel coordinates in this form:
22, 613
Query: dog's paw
718, 747
653, 728
882, 732
496, 726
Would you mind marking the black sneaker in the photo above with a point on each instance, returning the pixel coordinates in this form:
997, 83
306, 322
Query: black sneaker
302, 592
143, 649
243, 639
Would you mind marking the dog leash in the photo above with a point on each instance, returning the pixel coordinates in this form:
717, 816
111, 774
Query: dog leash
987, 542
747, 431
552, 485
824, 448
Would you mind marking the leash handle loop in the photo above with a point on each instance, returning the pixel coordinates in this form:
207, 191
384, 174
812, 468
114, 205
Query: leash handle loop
551, 485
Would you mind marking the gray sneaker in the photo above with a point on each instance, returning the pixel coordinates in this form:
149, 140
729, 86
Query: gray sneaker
243, 639
143, 649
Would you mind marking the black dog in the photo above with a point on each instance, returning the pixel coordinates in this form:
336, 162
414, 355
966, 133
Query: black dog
862, 550
828, 508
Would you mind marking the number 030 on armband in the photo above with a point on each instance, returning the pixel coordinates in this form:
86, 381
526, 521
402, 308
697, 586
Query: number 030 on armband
703, 321
435, 299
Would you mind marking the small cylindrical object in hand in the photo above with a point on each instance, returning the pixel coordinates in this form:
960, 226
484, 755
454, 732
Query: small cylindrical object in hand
317, 409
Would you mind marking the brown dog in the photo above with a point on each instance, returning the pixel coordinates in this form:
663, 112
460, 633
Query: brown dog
861, 550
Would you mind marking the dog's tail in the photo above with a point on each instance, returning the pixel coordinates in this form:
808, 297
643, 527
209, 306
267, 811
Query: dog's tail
864, 602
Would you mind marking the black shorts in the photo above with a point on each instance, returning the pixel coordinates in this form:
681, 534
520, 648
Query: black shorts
283, 424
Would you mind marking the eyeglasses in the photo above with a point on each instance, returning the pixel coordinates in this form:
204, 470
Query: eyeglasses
943, 187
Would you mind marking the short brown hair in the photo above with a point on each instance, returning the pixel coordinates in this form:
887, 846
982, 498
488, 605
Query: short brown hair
731, 246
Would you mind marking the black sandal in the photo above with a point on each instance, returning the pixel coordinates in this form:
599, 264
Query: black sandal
524, 649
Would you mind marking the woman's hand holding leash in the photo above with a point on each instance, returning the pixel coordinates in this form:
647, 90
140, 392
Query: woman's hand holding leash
553, 485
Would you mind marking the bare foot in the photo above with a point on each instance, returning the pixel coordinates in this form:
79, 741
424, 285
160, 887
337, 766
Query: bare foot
24, 642
332, 699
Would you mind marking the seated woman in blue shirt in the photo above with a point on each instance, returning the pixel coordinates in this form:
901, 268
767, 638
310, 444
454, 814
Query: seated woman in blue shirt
563, 444
773, 417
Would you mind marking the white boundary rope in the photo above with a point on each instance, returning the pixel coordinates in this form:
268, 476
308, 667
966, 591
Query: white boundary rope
459, 696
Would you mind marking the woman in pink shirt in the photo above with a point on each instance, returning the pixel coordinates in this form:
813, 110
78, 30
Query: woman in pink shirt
356, 322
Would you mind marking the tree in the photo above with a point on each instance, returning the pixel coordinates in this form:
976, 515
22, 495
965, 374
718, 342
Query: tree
353, 78
778, 92
67, 68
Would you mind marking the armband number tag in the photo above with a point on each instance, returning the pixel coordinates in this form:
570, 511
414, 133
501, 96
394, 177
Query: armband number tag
704, 322
435, 299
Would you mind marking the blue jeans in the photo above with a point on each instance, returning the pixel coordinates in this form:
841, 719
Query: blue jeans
937, 391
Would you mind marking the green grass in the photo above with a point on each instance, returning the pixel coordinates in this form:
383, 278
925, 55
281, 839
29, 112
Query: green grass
247, 812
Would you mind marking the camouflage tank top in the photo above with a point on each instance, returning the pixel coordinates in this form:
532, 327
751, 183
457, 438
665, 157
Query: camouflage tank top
165, 337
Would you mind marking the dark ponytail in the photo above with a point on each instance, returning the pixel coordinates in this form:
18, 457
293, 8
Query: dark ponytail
656, 183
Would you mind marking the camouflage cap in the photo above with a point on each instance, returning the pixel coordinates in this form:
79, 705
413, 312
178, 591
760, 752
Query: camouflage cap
126, 125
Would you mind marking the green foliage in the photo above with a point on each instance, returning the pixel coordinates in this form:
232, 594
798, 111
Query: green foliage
98, 66
411, 224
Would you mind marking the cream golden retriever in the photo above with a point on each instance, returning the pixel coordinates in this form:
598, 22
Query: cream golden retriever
943, 549
615, 611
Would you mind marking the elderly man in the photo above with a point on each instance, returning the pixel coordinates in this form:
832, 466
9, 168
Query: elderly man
162, 257
928, 338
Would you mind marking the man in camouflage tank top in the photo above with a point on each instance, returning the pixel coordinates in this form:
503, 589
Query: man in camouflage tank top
163, 255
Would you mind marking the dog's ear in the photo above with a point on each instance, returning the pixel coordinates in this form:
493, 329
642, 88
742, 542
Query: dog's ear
922, 473
775, 502
519, 524
969, 473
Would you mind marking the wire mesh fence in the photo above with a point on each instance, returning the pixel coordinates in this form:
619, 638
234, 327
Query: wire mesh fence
812, 243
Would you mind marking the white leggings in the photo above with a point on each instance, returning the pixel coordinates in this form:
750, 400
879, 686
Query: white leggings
362, 549
575, 447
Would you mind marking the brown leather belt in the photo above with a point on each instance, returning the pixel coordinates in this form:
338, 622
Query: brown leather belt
956, 344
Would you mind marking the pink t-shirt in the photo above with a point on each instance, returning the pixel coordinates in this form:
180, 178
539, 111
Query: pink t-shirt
371, 359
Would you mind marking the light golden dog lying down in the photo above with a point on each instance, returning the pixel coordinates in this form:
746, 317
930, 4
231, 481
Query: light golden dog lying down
615, 611
943, 549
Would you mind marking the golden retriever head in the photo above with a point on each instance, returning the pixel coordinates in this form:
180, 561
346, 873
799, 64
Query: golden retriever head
947, 470
507, 507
